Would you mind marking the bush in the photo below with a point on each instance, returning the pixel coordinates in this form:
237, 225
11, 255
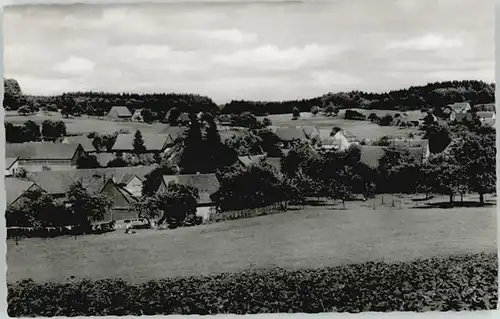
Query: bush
465, 282
353, 115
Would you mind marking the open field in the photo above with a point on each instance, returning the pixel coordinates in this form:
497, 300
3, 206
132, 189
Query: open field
361, 129
85, 124
312, 237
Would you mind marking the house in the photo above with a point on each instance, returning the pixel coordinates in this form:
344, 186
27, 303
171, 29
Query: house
486, 115
457, 111
337, 141
413, 145
207, 185
15, 189
137, 116
119, 113
489, 107
104, 158
11, 166
83, 140
154, 143
175, 132
247, 161
38, 156
183, 119
123, 185
288, 135
311, 131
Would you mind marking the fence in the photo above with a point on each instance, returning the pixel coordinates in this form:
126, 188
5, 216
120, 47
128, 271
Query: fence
49, 232
216, 217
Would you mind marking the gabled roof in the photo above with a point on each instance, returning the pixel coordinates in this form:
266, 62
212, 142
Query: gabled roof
120, 111
250, 160
9, 161
83, 140
486, 115
104, 158
310, 131
15, 187
174, 131
460, 107
371, 155
489, 107
275, 162
152, 142
291, 134
207, 184
41, 150
58, 182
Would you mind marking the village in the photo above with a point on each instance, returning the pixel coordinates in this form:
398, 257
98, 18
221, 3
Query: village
53, 166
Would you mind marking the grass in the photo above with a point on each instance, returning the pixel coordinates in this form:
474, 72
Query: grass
85, 124
361, 129
312, 237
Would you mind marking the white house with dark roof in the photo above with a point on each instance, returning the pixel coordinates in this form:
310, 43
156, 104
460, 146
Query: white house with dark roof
11, 166
39, 156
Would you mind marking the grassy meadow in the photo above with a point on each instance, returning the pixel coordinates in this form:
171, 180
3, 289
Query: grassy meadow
313, 237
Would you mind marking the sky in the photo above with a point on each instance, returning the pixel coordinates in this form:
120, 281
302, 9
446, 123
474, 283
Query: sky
248, 50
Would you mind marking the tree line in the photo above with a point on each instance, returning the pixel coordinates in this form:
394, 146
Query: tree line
412, 98
32, 132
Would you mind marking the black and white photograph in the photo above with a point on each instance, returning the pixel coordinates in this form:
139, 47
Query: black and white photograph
250, 157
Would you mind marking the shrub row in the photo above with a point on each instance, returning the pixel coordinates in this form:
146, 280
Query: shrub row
216, 217
465, 282
50, 232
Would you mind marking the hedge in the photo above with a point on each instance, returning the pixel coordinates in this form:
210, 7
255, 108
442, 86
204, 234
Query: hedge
465, 282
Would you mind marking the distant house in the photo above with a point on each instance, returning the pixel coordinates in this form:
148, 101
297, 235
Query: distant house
154, 143
288, 135
412, 145
119, 113
15, 189
11, 166
183, 119
137, 116
457, 111
38, 156
83, 140
207, 185
489, 107
247, 161
336, 142
484, 115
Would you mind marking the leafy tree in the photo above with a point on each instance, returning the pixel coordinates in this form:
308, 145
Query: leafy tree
173, 116
314, 110
373, 118
266, 122
88, 161
330, 109
269, 142
177, 202
449, 177
104, 142
439, 137
87, 208
385, 120
138, 143
296, 113
245, 144
13, 133
30, 132
12, 94
24, 110
300, 156
383, 141
148, 207
118, 162
60, 128
48, 131
153, 179
147, 116
353, 115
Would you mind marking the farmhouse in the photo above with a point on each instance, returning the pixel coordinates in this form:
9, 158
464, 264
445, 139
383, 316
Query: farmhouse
154, 143
336, 141
122, 185
183, 119
288, 135
458, 111
83, 140
15, 189
38, 156
11, 166
119, 113
207, 185
137, 116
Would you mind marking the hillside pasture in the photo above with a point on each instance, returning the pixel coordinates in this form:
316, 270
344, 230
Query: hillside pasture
85, 124
316, 236
361, 129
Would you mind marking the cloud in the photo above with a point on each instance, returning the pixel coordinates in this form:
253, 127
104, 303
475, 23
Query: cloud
75, 66
330, 78
428, 42
229, 35
270, 57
